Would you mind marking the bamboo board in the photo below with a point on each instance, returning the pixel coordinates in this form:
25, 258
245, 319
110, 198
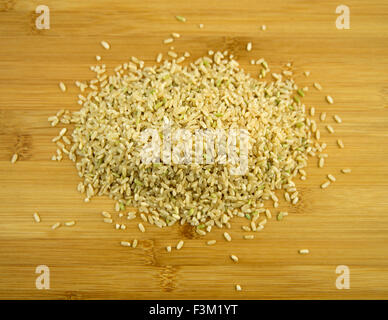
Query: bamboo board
346, 224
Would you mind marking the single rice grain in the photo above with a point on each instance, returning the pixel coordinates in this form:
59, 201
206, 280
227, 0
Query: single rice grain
249, 237
62, 86
321, 162
325, 184
105, 44
180, 18
36, 217
317, 86
141, 227
168, 40
337, 118
125, 243
180, 245
14, 158
330, 128
234, 258
227, 236
56, 225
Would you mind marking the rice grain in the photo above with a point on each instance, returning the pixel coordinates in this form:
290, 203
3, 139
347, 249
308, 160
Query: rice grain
105, 44
325, 184
227, 236
180, 245
141, 227
36, 217
234, 258
14, 158
62, 86
329, 99
56, 225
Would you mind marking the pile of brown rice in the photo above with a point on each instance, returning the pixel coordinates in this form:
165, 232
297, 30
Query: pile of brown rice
213, 92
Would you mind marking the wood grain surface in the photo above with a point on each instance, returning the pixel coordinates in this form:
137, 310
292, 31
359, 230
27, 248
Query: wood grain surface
346, 224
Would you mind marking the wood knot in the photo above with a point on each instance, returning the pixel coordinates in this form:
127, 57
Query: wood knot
72, 295
7, 5
232, 44
23, 146
168, 279
149, 252
188, 231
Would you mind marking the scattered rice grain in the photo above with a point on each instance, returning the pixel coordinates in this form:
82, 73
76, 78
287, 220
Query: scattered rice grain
36, 217
180, 245
105, 44
234, 258
14, 158
227, 236
62, 86
56, 225
325, 184
141, 227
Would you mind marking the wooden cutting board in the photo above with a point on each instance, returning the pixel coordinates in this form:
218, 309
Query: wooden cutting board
345, 224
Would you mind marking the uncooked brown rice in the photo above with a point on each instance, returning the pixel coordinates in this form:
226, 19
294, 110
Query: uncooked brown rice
317, 86
180, 245
337, 118
202, 94
105, 44
141, 227
325, 184
36, 217
249, 237
14, 158
330, 128
234, 258
227, 236
56, 225
125, 243
62, 86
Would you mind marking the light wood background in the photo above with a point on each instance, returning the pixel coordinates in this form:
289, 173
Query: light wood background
346, 224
